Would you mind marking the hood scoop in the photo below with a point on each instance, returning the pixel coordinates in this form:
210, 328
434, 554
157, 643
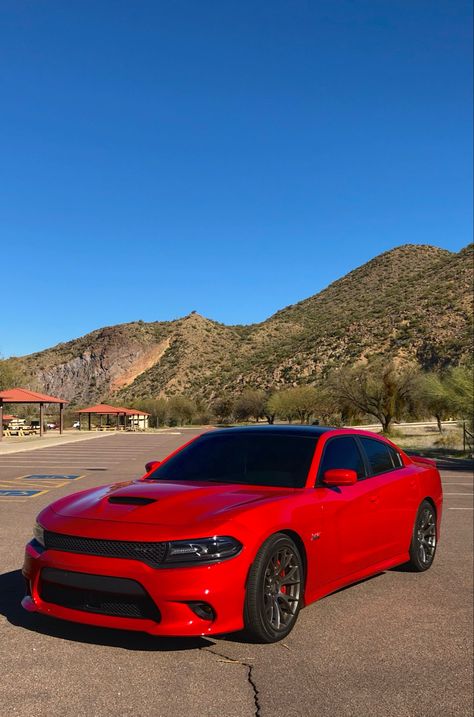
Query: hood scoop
130, 500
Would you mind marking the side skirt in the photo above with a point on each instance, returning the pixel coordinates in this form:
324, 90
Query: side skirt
323, 590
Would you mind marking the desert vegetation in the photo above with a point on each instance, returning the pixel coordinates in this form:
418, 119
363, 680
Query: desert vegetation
382, 393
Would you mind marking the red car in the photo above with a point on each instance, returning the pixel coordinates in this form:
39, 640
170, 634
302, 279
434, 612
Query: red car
239, 528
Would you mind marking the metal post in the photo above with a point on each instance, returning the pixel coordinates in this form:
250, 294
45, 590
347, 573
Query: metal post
41, 418
61, 418
464, 436
1, 418
90, 422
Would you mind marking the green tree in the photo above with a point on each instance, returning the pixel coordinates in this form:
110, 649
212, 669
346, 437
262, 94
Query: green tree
380, 390
450, 393
433, 397
181, 409
459, 387
299, 403
250, 404
279, 405
223, 408
156, 407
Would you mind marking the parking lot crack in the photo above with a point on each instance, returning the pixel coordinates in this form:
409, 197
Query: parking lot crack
250, 675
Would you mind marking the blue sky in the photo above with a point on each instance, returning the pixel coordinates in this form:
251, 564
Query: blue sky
225, 157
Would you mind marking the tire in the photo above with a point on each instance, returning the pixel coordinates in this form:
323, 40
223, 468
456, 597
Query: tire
274, 590
424, 539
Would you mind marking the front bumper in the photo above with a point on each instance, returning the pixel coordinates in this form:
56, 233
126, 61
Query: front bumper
171, 591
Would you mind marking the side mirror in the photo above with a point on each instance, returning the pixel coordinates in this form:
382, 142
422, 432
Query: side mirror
151, 465
339, 476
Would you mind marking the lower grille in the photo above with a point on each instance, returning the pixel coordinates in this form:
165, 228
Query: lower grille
100, 594
151, 553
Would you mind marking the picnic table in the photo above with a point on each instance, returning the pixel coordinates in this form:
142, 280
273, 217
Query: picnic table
20, 431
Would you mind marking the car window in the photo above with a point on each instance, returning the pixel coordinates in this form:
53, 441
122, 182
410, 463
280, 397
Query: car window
342, 452
396, 457
378, 455
251, 458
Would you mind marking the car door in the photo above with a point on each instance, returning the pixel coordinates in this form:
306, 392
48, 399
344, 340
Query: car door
352, 535
397, 495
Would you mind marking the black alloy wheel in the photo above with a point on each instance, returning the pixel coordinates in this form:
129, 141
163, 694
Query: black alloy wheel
274, 590
424, 538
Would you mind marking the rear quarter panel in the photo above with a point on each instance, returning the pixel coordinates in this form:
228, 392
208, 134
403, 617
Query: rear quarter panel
430, 488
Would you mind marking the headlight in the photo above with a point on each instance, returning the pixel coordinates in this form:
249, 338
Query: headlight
38, 533
202, 550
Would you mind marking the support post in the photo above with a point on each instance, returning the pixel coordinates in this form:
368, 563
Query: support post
1, 418
41, 418
61, 418
90, 422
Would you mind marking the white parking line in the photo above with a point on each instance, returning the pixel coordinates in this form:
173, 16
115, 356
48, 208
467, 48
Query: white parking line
460, 508
60, 465
471, 494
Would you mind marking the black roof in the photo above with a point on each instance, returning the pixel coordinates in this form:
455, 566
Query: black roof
288, 430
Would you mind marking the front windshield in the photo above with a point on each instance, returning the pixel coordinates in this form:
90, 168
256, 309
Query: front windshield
251, 458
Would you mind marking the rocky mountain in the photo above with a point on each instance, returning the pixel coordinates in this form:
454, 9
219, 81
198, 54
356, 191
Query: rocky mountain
413, 303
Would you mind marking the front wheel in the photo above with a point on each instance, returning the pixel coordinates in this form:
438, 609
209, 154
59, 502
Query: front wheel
424, 538
274, 590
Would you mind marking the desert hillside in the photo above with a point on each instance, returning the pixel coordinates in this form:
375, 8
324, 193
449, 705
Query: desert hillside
413, 302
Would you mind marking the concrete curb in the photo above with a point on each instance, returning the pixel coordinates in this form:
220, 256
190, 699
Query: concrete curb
32, 444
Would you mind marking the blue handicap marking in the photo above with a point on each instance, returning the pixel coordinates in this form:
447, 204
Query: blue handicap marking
19, 493
54, 476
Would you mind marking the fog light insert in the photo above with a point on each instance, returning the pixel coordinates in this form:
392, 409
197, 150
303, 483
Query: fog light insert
202, 610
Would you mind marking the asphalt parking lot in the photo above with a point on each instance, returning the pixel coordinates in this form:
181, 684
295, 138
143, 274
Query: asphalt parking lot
398, 644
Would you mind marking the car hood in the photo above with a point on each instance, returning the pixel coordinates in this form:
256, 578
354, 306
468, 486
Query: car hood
164, 503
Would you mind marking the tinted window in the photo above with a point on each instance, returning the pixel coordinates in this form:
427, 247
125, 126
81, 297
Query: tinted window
249, 458
342, 453
396, 457
378, 455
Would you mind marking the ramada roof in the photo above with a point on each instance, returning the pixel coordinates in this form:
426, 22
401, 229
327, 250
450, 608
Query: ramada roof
105, 409
23, 395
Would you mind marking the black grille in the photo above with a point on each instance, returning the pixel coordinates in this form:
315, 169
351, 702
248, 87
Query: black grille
99, 594
151, 553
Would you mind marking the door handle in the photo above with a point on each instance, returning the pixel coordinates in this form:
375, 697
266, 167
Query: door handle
374, 499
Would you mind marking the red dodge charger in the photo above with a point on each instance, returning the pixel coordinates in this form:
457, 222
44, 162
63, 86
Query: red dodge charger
239, 528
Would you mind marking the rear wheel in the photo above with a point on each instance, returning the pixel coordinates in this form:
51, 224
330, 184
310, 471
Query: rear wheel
274, 590
424, 539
